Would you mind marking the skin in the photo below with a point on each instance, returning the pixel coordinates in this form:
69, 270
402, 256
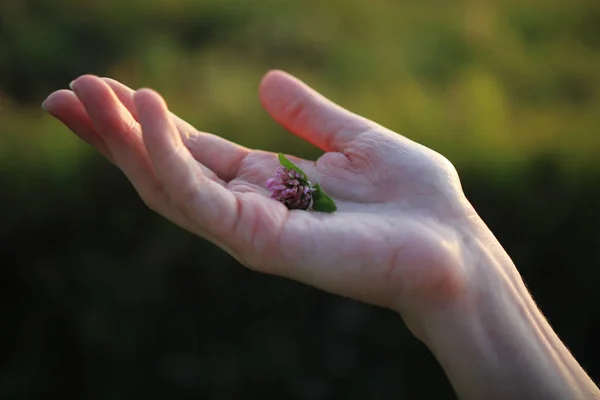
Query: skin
404, 237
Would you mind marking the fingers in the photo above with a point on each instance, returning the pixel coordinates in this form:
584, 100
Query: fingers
66, 107
123, 138
94, 113
211, 205
218, 154
124, 94
119, 130
308, 114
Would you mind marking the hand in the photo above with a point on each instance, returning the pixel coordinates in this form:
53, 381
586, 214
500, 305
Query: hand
393, 242
404, 236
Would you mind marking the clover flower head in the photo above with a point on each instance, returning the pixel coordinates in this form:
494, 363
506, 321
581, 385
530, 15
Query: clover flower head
290, 188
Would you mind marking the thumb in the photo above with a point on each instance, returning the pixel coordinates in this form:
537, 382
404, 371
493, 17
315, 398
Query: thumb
309, 115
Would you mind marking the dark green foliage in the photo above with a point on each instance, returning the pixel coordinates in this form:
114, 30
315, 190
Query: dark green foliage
50, 43
102, 299
440, 54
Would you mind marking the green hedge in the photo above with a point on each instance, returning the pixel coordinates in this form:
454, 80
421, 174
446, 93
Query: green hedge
105, 300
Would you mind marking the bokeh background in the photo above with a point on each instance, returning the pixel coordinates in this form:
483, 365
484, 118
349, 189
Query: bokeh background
105, 300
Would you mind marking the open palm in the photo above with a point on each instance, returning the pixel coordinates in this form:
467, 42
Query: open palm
391, 240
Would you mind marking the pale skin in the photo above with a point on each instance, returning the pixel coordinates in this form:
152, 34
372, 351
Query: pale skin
404, 237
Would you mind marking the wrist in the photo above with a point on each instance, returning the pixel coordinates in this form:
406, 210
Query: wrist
491, 338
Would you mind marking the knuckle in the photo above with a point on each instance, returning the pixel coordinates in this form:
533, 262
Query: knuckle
445, 165
446, 172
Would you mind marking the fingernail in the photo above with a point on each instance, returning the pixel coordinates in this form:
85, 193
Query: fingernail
71, 84
44, 105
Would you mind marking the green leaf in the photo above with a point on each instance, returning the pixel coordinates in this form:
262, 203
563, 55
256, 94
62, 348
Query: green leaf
322, 202
283, 160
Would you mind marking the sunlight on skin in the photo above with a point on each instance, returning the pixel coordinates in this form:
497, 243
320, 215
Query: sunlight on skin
390, 236
404, 236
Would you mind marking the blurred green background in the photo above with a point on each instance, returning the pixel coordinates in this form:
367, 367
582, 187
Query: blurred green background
105, 300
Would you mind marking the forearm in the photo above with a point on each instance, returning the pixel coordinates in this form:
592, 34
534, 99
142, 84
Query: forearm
494, 343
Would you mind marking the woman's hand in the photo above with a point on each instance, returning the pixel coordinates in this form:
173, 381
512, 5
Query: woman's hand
404, 236
393, 242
